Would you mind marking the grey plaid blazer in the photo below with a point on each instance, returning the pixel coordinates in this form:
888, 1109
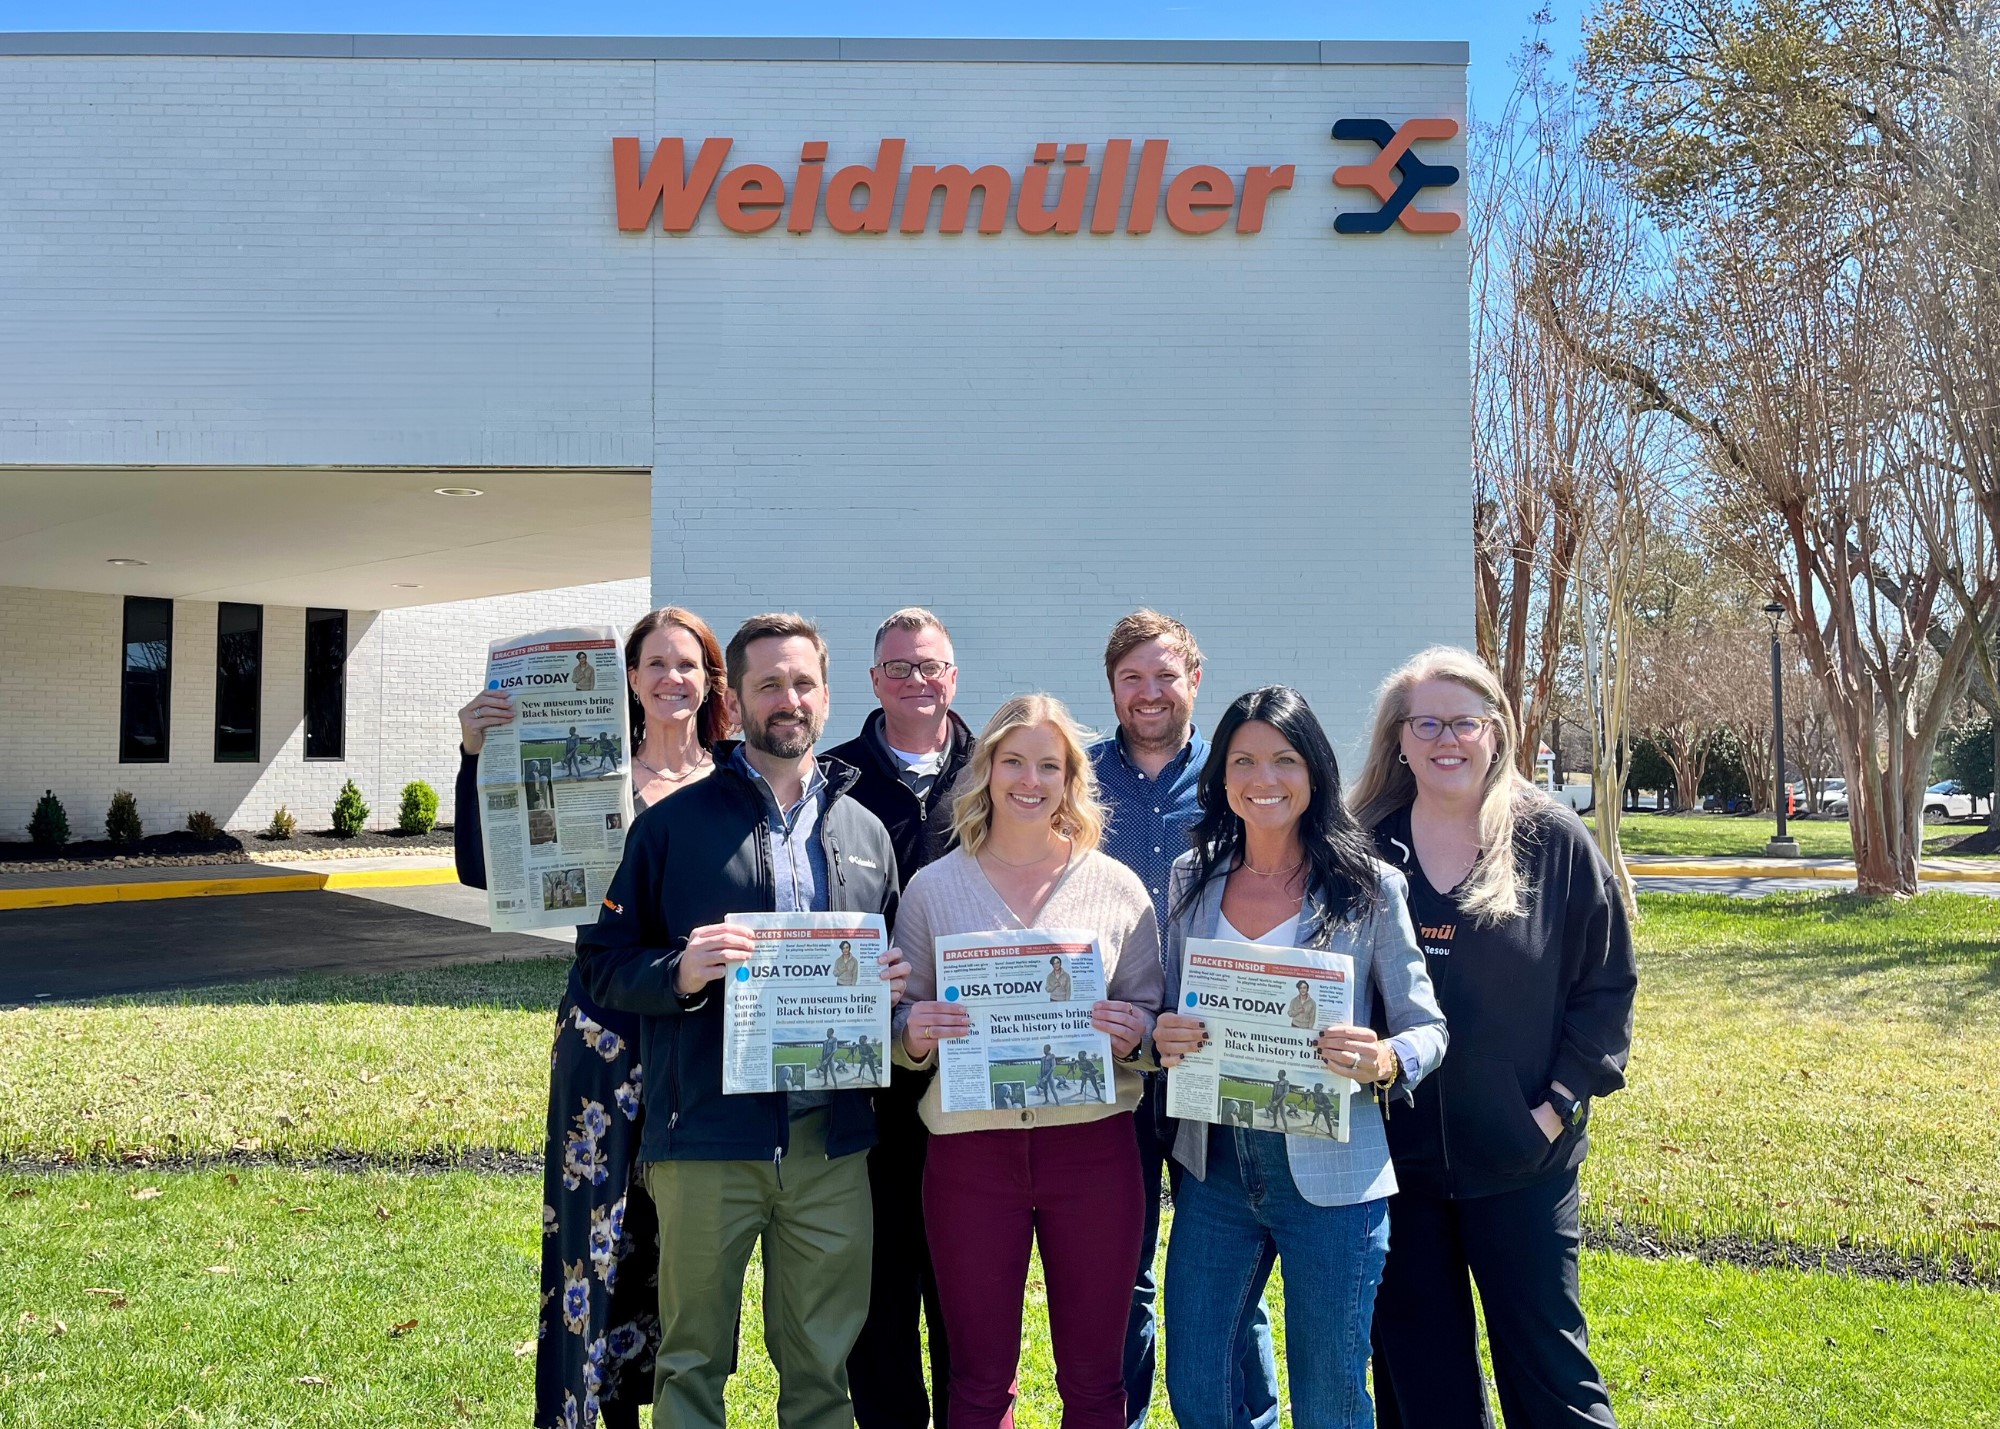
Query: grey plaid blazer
1387, 964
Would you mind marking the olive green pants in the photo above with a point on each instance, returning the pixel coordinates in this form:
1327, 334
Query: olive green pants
813, 1217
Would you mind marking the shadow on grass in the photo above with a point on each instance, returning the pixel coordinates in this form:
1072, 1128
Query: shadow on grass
515, 985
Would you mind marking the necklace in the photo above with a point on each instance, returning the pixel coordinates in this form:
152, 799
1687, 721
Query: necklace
1272, 872
1009, 863
670, 775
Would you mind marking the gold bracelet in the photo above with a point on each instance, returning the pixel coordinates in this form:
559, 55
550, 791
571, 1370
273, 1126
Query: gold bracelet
1395, 1069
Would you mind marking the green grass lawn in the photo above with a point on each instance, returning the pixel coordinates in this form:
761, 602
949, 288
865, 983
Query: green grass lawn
1809, 1067
284, 1297
438, 1060
1726, 836
1812, 1068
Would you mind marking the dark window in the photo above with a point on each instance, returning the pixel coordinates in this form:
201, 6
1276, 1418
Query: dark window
148, 682
239, 681
326, 684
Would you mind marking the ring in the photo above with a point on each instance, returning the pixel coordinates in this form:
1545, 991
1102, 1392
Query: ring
1353, 1059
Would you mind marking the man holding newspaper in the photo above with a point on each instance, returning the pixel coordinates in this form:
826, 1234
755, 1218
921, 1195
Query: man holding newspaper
771, 833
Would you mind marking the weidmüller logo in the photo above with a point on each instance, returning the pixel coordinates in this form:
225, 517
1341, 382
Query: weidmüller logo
1063, 189
1412, 176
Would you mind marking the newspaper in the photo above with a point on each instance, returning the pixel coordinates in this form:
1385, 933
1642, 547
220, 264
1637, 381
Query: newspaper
1264, 1007
1030, 993
809, 1011
555, 784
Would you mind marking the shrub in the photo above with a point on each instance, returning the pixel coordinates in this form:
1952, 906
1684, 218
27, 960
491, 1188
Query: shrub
283, 824
49, 828
203, 826
419, 814
121, 820
350, 813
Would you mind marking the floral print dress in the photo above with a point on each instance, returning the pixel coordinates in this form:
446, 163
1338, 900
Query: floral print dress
600, 1323
599, 1326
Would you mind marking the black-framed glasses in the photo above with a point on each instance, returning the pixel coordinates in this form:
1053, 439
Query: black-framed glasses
1430, 727
903, 669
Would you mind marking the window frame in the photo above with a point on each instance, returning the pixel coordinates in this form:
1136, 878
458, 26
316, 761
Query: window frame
326, 614
256, 754
166, 682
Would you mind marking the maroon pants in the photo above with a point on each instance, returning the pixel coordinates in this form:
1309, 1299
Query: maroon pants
989, 1195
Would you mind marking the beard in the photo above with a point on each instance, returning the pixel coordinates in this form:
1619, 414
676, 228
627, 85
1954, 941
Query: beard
788, 741
1170, 740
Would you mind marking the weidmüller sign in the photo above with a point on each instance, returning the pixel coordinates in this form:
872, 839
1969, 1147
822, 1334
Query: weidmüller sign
1051, 195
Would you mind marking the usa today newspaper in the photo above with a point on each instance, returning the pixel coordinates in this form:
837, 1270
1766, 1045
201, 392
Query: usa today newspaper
1030, 992
808, 1011
1264, 1007
555, 783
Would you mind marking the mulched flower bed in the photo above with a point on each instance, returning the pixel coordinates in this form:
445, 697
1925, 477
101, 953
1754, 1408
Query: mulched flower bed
181, 849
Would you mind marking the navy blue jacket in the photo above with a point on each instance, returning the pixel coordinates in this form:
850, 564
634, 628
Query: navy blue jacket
695, 857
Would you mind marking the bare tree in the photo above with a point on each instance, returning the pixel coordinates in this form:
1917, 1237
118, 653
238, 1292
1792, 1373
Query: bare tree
1533, 404
1782, 137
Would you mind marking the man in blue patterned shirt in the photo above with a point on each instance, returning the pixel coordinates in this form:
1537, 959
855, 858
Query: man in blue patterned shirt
1148, 775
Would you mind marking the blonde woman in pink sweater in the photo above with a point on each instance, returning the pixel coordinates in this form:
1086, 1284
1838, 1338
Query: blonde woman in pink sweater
1066, 1175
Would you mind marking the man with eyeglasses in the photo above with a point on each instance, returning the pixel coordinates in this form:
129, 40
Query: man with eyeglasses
910, 752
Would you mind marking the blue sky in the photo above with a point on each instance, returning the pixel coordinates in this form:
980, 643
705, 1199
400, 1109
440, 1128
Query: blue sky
1494, 28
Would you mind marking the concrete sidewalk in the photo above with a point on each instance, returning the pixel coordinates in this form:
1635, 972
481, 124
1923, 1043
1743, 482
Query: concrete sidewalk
1932, 870
74, 887
140, 885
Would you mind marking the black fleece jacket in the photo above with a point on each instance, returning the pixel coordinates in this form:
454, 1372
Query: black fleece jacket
1544, 997
919, 827
695, 857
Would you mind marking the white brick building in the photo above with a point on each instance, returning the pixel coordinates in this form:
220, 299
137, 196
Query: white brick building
264, 295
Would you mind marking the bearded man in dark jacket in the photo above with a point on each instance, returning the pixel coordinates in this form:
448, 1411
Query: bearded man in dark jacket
772, 830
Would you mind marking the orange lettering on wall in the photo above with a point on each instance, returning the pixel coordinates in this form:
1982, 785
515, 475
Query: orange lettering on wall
679, 196
1032, 212
747, 188
957, 183
1259, 183
880, 181
805, 189
1199, 199
1146, 193
1110, 186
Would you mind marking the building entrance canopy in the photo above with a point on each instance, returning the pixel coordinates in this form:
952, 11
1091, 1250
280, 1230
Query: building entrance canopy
366, 539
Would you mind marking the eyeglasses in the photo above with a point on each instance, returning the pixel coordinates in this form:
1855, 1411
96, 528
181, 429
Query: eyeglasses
903, 669
1465, 727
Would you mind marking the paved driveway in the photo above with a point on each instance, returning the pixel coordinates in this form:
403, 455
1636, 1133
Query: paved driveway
105, 948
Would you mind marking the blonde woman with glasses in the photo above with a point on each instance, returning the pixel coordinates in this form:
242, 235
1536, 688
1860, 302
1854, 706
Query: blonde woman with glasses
1061, 1175
1529, 951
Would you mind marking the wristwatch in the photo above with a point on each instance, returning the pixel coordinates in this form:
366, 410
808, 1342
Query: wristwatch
1568, 1108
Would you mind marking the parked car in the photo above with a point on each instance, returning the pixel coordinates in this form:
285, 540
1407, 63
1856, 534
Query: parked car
1947, 799
1951, 799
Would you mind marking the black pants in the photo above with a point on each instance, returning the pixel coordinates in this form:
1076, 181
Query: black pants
1520, 1249
885, 1372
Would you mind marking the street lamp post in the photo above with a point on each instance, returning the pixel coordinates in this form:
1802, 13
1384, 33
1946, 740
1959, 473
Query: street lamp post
1783, 845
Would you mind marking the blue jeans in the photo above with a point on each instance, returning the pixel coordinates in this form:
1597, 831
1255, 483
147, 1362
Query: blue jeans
1228, 1230
1258, 1406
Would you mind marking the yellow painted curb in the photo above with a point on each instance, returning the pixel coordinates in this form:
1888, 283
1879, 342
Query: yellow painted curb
389, 878
1804, 870
76, 895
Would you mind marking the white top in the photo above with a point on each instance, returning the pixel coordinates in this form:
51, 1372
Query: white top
929, 763
1281, 936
